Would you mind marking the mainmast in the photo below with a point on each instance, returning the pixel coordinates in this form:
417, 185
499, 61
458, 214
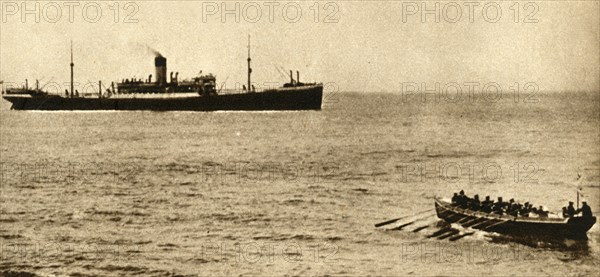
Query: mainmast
249, 69
72, 64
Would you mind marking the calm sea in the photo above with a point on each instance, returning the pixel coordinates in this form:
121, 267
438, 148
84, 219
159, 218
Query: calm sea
291, 193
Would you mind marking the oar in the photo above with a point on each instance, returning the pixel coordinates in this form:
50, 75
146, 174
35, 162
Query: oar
410, 223
495, 224
452, 233
400, 218
455, 238
474, 222
402, 226
420, 228
416, 230
471, 223
467, 222
444, 230
467, 217
439, 232
483, 223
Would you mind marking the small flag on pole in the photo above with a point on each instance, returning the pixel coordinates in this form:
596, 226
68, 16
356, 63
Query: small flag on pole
579, 185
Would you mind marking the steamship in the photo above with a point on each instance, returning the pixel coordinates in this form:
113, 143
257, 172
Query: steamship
197, 94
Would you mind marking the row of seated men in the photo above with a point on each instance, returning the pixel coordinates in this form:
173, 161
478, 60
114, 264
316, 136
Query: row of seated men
511, 207
499, 207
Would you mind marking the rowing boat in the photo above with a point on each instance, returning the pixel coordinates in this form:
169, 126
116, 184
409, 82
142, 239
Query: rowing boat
553, 227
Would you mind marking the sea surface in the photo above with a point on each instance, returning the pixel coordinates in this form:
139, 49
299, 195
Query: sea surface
292, 193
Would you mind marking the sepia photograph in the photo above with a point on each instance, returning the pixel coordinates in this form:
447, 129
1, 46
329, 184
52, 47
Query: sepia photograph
299, 138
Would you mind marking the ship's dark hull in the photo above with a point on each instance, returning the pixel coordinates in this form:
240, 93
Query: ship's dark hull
298, 98
538, 228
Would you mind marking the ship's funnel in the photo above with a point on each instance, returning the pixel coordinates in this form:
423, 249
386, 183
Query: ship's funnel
298, 77
160, 63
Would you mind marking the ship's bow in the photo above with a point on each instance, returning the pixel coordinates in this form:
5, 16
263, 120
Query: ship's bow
16, 102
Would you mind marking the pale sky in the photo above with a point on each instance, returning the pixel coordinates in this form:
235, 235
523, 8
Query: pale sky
366, 47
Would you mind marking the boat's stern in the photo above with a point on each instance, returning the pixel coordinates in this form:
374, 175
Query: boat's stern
581, 224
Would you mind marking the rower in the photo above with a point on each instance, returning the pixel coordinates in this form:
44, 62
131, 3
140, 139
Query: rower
530, 209
534, 210
509, 206
498, 207
586, 211
464, 200
542, 213
455, 199
487, 208
475, 203
514, 209
565, 213
487, 201
523, 210
571, 209
487, 205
